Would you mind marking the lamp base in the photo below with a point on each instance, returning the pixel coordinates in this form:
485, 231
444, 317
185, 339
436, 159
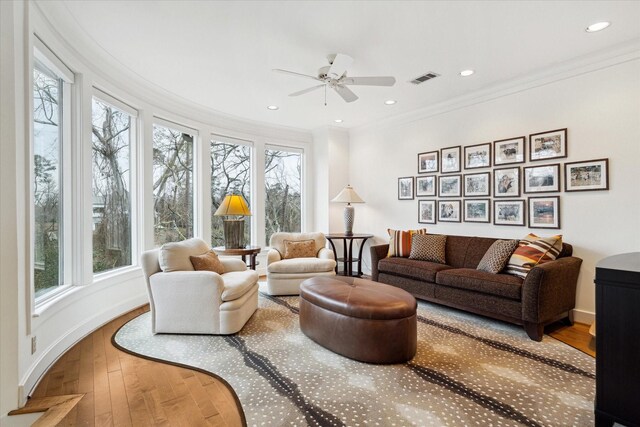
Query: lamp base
233, 233
349, 216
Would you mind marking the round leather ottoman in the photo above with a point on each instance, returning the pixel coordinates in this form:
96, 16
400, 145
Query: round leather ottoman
360, 319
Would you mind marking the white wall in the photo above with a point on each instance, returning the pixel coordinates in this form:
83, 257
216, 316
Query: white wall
601, 110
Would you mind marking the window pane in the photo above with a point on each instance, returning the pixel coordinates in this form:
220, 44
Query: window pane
111, 148
230, 173
283, 183
172, 185
47, 148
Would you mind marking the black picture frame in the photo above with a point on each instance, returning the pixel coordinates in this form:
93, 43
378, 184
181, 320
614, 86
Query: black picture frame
455, 215
450, 159
503, 178
509, 151
535, 179
548, 145
498, 212
420, 179
426, 164
486, 202
434, 211
409, 193
572, 181
468, 185
457, 192
541, 206
477, 156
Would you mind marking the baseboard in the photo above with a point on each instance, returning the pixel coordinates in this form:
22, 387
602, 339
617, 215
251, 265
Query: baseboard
66, 341
583, 316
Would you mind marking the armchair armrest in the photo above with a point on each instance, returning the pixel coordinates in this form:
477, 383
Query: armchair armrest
378, 252
233, 264
326, 253
273, 256
550, 289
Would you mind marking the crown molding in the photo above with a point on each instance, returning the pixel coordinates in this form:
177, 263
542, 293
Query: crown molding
622, 53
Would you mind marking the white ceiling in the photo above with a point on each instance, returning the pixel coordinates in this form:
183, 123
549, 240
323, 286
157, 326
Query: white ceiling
219, 55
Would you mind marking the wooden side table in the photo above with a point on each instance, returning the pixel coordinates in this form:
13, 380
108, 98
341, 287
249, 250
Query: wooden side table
251, 251
347, 259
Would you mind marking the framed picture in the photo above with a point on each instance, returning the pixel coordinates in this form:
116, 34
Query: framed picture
506, 182
508, 212
477, 210
449, 210
427, 211
428, 162
477, 156
477, 184
405, 188
449, 186
426, 185
548, 145
509, 151
542, 179
589, 175
450, 159
544, 212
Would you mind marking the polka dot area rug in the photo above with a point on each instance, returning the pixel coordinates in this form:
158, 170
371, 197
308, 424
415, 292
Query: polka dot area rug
468, 371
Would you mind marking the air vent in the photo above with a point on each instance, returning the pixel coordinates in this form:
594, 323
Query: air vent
423, 78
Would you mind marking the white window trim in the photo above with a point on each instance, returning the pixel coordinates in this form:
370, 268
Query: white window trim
175, 126
114, 102
42, 53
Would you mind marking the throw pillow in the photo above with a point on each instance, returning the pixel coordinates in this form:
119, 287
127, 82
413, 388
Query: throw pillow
429, 247
208, 261
299, 249
400, 242
531, 251
497, 256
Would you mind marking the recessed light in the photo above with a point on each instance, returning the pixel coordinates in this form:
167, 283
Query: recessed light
390, 102
598, 26
338, 120
466, 73
272, 107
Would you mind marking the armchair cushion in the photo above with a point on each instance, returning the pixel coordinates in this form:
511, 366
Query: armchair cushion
175, 256
299, 249
208, 261
302, 265
238, 283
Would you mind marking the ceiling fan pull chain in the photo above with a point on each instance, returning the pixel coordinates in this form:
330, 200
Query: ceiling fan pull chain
325, 95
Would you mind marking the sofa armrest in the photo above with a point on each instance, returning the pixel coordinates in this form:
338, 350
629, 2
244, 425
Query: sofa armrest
273, 256
233, 264
326, 253
550, 289
378, 252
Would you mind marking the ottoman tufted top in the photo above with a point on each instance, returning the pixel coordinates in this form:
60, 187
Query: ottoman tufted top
358, 297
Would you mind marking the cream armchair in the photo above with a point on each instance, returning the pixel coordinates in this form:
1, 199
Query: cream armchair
197, 302
285, 275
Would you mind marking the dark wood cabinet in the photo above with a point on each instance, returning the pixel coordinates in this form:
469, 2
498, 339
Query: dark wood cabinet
618, 340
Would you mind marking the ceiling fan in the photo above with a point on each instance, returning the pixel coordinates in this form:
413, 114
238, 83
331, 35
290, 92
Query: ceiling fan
335, 77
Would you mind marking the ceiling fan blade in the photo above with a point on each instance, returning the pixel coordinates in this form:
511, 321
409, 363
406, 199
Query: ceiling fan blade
277, 70
346, 93
302, 92
370, 81
339, 66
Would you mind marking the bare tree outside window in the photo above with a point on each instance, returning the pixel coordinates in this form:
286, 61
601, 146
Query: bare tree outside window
47, 147
230, 174
283, 201
111, 187
172, 185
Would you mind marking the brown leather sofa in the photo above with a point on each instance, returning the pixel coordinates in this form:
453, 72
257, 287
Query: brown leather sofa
546, 295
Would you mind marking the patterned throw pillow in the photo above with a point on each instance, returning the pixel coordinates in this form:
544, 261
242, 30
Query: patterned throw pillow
208, 261
299, 249
400, 241
531, 251
429, 247
497, 256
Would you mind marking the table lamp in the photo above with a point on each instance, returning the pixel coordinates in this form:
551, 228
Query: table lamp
348, 196
233, 205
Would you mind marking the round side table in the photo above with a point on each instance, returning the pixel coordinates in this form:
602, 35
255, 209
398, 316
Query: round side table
251, 251
348, 258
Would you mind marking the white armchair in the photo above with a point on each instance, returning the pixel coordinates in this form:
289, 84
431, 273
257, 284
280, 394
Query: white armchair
285, 275
197, 302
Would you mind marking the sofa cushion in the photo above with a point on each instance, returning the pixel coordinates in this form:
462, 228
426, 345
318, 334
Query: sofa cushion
301, 265
531, 251
208, 261
502, 285
238, 283
299, 249
400, 241
416, 269
175, 256
428, 247
497, 256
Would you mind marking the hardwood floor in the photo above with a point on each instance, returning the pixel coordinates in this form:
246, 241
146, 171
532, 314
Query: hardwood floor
124, 390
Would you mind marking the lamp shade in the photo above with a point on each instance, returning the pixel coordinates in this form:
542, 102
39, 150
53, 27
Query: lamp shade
348, 195
233, 204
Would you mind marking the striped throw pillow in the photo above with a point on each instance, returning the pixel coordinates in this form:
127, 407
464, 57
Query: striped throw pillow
400, 241
531, 251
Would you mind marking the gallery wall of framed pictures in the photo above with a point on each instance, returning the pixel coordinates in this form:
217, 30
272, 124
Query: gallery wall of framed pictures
508, 181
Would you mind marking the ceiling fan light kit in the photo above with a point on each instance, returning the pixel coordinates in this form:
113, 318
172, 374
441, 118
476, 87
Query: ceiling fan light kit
334, 76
